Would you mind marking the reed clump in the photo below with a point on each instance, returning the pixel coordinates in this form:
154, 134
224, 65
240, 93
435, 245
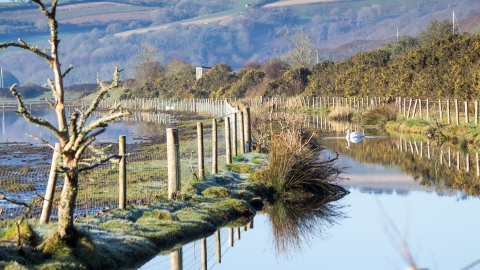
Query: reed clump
297, 166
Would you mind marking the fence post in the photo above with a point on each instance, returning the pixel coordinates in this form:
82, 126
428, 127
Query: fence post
203, 247
420, 107
242, 133
214, 147
50, 193
234, 134
466, 112
201, 167
448, 111
476, 112
247, 130
428, 110
230, 237
176, 259
440, 110
218, 245
457, 116
173, 162
228, 144
122, 173
409, 106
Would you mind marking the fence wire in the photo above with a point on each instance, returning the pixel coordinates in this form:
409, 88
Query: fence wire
147, 173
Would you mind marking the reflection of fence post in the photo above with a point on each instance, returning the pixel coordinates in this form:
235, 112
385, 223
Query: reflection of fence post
250, 224
467, 161
214, 146
219, 246
176, 259
122, 173
228, 143
203, 246
173, 162
428, 109
230, 237
476, 162
238, 233
50, 193
242, 133
201, 167
247, 130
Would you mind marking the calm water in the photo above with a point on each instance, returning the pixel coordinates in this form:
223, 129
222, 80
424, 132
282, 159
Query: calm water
386, 207
13, 127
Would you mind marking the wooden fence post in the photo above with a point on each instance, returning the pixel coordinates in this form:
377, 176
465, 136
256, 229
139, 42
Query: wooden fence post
122, 173
440, 110
242, 132
234, 135
409, 106
466, 112
230, 237
173, 162
176, 259
247, 130
203, 247
448, 112
428, 109
228, 144
52, 182
214, 147
476, 112
218, 245
457, 116
201, 167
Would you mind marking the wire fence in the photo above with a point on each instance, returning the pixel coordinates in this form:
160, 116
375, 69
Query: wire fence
147, 171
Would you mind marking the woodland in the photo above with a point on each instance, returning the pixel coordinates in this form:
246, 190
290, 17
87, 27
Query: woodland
436, 64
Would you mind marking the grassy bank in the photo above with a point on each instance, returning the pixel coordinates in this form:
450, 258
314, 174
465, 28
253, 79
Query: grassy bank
461, 135
125, 238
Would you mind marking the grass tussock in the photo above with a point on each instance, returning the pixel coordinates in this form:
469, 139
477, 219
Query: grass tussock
379, 116
297, 166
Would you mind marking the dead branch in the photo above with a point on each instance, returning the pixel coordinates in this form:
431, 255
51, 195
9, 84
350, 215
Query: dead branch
99, 163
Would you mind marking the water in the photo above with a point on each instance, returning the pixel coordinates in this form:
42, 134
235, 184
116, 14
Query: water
391, 208
14, 128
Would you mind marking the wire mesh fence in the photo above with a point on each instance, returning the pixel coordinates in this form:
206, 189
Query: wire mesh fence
147, 171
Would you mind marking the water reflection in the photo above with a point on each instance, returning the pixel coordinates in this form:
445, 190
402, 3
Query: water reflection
295, 222
437, 167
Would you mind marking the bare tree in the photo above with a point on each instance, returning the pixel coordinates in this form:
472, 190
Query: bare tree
302, 52
74, 133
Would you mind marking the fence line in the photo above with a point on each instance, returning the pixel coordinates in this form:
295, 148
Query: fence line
146, 172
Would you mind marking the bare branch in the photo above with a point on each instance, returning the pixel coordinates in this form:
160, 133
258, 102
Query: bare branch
73, 130
102, 122
67, 71
99, 163
40, 139
50, 103
39, 121
42, 7
25, 46
86, 142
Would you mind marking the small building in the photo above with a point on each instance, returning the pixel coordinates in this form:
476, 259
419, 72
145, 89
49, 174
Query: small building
201, 71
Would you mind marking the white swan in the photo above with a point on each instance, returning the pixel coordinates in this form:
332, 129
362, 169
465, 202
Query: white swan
354, 134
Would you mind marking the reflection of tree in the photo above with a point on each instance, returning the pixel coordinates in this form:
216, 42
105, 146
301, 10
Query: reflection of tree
428, 172
296, 222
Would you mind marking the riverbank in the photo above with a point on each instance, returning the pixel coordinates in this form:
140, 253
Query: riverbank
464, 135
126, 238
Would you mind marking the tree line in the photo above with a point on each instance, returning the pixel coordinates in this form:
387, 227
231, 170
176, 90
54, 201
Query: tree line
435, 64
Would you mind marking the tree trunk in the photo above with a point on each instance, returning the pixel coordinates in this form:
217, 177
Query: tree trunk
65, 208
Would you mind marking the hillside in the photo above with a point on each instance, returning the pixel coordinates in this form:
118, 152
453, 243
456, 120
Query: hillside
97, 33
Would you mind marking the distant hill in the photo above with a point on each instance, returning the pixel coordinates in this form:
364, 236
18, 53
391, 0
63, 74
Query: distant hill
235, 34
